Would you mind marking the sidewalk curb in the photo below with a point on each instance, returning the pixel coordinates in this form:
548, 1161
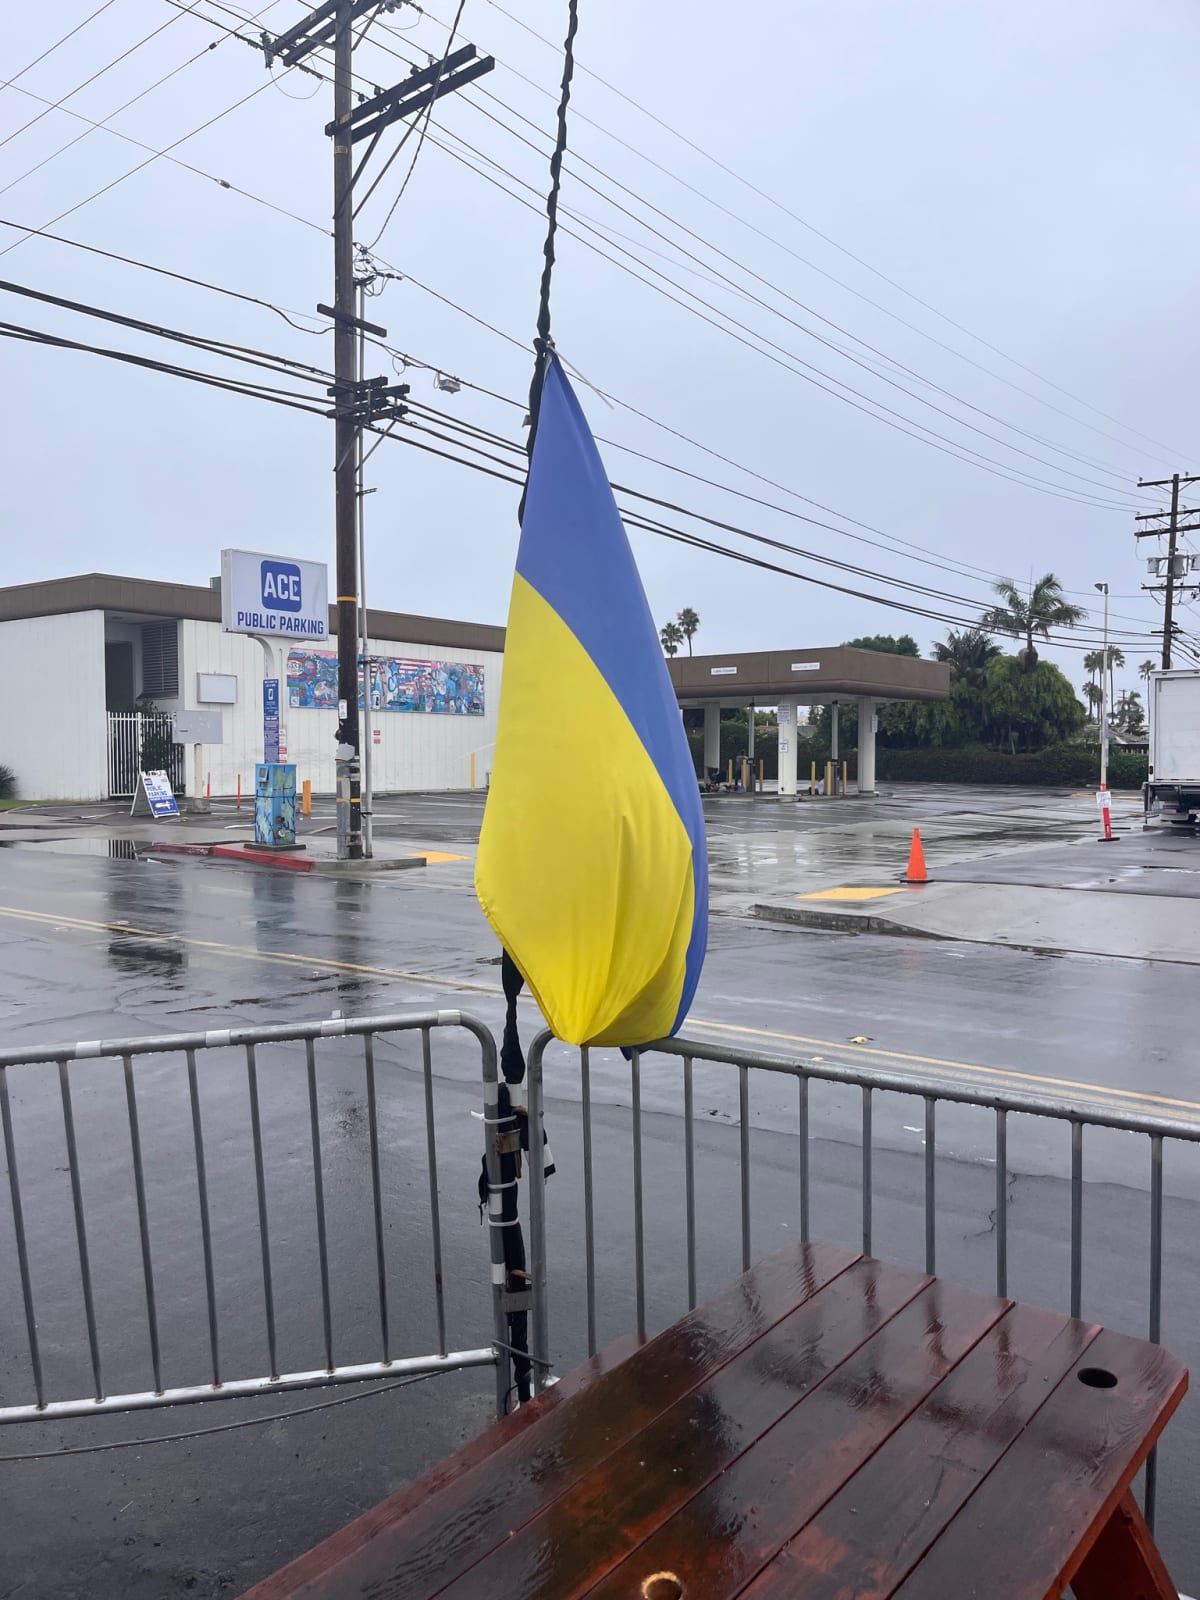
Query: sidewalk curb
247, 855
839, 921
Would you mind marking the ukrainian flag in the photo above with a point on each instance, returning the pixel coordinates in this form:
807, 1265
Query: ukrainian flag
592, 867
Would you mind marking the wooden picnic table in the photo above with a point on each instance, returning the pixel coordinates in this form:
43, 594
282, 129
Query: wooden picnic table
827, 1426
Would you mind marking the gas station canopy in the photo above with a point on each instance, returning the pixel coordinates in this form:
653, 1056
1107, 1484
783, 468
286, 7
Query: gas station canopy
810, 677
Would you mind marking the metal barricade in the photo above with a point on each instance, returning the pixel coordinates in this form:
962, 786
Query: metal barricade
916, 1187
289, 1187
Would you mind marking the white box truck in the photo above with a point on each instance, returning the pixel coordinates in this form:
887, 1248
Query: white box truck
1174, 776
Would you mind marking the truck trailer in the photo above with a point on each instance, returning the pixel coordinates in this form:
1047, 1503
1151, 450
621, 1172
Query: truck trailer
1173, 781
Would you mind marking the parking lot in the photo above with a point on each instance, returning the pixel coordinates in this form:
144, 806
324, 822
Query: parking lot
100, 938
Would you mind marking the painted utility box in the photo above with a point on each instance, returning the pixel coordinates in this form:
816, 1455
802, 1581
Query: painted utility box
274, 803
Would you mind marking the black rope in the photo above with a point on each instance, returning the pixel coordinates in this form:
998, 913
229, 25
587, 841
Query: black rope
543, 344
512, 1057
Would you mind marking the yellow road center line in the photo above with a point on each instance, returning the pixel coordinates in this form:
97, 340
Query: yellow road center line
324, 964
953, 1066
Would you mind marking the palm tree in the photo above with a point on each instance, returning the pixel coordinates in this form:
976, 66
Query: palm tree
1094, 695
1116, 658
1093, 663
1144, 671
1133, 719
1022, 616
967, 654
671, 635
689, 625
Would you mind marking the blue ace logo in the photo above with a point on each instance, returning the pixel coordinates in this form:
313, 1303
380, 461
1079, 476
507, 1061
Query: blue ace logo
280, 586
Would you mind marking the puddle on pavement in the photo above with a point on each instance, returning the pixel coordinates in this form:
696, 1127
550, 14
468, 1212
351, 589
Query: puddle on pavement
109, 849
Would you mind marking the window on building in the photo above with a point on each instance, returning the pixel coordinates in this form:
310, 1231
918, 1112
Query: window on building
160, 659
118, 675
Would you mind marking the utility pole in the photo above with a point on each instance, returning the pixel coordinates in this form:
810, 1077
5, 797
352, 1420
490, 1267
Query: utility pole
346, 438
356, 399
1175, 567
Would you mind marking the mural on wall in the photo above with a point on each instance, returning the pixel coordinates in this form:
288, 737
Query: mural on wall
440, 688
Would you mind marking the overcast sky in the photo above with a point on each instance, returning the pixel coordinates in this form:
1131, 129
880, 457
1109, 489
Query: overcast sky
1024, 171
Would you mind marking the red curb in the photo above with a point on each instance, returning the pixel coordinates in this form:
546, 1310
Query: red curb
265, 858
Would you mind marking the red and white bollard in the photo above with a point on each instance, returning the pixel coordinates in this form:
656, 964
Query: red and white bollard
1104, 801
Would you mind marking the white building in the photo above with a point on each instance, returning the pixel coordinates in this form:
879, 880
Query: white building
86, 661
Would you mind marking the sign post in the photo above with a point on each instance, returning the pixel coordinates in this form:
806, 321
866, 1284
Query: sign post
273, 597
270, 720
198, 728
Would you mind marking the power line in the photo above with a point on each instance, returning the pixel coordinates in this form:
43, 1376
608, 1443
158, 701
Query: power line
775, 288
497, 441
156, 154
831, 344
164, 154
180, 277
1003, 468
307, 403
412, 165
742, 334
514, 341
316, 374
1000, 470
824, 237
55, 105
50, 49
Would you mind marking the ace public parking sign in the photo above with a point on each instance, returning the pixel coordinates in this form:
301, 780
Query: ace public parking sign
274, 595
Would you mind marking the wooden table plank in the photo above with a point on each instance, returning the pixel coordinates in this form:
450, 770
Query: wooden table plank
342, 1544
592, 1527
871, 1534
478, 1508
724, 1536
1031, 1521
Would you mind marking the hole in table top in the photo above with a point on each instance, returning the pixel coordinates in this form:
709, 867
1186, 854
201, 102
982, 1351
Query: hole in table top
662, 1586
1098, 1378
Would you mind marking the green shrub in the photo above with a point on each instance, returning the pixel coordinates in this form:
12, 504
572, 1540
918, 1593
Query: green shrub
8, 783
1063, 765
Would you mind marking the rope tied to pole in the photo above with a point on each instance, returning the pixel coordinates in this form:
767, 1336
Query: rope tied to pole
543, 344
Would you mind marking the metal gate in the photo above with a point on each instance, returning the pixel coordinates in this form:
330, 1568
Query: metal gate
219, 1215
141, 741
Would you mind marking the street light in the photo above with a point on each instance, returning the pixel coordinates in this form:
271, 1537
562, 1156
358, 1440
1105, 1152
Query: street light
1105, 804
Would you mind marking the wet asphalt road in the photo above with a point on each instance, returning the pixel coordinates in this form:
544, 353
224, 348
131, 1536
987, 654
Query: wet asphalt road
94, 946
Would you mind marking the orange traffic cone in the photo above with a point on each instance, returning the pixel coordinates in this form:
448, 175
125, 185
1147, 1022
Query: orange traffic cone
916, 861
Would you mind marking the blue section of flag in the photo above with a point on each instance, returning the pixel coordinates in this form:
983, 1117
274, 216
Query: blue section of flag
575, 554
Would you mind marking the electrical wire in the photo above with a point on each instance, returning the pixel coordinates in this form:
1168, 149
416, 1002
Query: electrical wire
294, 400
424, 130
180, 277
245, 353
677, 177
741, 266
220, 347
59, 104
494, 330
744, 335
494, 441
222, 1427
972, 453
824, 237
164, 154
655, 526
470, 98
50, 49
156, 154
1105, 489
